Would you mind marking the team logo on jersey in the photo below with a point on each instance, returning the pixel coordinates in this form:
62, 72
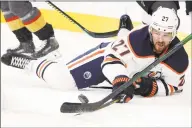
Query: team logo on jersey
87, 75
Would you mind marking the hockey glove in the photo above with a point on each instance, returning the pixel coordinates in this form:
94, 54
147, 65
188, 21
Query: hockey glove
126, 95
148, 87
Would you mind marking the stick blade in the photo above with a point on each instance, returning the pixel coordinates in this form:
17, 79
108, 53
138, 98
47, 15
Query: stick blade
68, 107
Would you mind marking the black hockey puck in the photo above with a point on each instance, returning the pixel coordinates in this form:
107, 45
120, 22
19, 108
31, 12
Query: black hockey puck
83, 98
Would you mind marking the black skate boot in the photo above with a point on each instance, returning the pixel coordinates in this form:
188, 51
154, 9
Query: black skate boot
49, 46
16, 60
125, 22
24, 47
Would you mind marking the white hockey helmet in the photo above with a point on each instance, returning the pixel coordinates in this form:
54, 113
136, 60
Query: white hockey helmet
165, 20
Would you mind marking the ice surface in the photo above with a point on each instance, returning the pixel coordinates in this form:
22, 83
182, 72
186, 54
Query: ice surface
29, 102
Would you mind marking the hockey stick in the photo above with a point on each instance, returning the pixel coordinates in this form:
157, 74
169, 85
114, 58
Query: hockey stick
101, 87
68, 107
92, 34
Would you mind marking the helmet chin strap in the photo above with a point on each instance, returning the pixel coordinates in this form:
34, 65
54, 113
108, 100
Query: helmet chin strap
174, 35
150, 35
151, 39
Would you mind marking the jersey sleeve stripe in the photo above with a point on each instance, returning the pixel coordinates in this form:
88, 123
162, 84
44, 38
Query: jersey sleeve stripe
114, 62
110, 60
171, 89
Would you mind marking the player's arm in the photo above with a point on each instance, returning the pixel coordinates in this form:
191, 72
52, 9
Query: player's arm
114, 59
171, 81
114, 68
148, 87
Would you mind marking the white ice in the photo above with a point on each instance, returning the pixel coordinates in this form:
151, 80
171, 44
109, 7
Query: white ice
28, 102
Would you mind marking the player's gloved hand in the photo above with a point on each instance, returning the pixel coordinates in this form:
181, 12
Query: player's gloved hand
127, 94
148, 87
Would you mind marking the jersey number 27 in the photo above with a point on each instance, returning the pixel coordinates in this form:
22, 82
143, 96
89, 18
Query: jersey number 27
121, 47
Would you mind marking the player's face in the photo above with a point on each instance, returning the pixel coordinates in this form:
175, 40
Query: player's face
161, 40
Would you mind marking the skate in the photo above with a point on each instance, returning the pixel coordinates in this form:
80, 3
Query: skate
17, 60
24, 47
125, 22
49, 46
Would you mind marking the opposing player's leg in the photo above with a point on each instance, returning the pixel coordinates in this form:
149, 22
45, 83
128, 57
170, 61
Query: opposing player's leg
54, 73
34, 21
23, 35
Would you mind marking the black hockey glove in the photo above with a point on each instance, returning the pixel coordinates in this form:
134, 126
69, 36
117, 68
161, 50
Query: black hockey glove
126, 95
148, 87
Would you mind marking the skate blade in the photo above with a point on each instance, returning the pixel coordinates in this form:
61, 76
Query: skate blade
53, 55
27, 54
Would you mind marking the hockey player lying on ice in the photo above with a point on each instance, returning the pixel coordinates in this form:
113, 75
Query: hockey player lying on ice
118, 61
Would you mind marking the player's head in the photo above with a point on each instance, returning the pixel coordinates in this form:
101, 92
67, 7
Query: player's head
163, 28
